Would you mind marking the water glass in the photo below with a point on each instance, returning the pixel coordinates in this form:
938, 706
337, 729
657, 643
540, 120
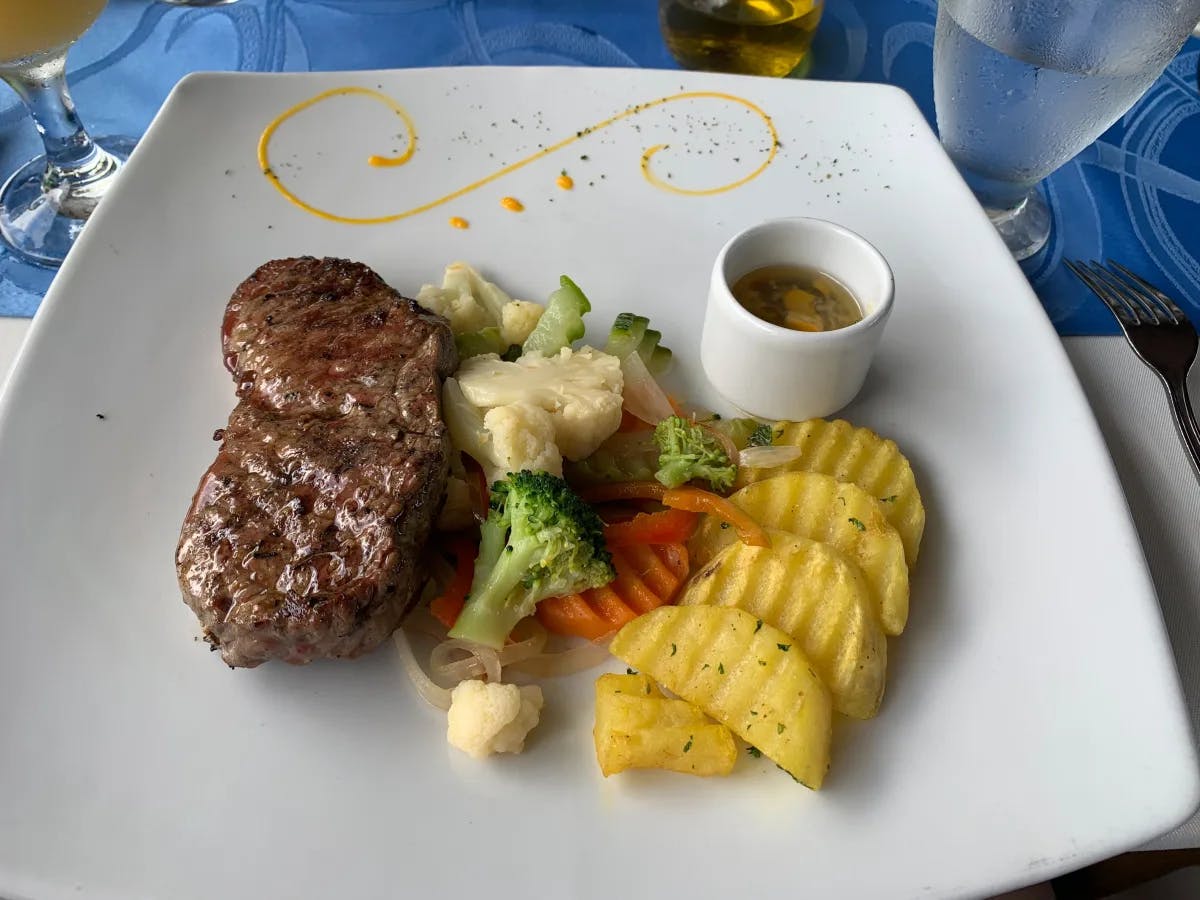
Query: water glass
1022, 86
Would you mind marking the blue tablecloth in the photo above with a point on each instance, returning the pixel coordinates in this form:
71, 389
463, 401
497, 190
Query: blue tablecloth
1131, 196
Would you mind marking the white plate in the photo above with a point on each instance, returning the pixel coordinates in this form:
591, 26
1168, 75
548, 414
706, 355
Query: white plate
1033, 721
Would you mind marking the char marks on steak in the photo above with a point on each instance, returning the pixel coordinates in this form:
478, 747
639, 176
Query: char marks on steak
304, 537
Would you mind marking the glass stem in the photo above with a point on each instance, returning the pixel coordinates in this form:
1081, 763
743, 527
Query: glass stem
71, 155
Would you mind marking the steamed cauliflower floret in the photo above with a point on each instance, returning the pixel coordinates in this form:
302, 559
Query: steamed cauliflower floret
487, 718
518, 318
471, 304
580, 389
523, 437
464, 313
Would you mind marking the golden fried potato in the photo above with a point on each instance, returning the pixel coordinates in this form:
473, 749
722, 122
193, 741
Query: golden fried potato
856, 456
821, 508
638, 728
746, 674
633, 684
816, 595
620, 703
703, 749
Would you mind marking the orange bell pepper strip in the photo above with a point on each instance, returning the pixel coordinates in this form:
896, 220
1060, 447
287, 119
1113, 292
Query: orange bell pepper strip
690, 499
671, 526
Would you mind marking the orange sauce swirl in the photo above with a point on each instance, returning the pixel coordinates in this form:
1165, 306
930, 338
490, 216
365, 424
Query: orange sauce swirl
647, 158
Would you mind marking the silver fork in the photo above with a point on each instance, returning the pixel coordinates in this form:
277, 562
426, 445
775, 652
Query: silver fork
1159, 333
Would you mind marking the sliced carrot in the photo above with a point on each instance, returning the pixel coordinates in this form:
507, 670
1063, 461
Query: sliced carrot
654, 571
449, 603
675, 557
686, 498
651, 569
609, 604
571, 614
647, 577
629, 587
671, 526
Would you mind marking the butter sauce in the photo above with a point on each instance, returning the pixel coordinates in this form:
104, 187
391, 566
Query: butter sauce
797, 297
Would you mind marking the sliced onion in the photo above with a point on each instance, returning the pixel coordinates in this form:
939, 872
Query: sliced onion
480, 660
567, 662
433, 694
766, 457
421, 621
633, 446
641, 394
523, 648
726, 442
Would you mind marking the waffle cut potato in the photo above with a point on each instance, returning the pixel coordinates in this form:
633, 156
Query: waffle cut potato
749, 676
855, 456
816, 596
821, 508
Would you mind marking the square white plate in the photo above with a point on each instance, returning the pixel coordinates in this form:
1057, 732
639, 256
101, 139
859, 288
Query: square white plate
1033, 721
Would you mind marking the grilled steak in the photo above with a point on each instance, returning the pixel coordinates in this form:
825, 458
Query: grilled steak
304, 536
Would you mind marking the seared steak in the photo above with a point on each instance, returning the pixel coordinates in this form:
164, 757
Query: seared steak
304, 537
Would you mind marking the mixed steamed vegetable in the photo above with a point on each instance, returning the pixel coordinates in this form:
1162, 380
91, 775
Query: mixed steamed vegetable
540, 540
751, 569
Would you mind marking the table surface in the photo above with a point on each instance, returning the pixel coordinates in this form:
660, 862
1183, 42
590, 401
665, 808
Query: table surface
1133, 195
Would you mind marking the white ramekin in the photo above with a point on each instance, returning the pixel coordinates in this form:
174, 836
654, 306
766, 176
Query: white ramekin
778, 373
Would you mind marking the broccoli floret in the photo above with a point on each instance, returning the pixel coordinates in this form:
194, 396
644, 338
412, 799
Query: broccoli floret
689, 452
539, 540
743, 433
762, 436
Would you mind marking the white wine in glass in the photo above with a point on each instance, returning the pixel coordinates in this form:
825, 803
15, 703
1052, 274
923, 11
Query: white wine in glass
748, 37
45, 203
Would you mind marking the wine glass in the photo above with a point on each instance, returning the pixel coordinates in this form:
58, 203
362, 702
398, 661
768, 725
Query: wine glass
45, 204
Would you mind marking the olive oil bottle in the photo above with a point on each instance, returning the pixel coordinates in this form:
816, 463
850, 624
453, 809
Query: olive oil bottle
748, 37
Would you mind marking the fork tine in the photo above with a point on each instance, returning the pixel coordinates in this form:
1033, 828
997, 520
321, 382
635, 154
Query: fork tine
1134, 278
1115, 306
1134, 295
1145, 311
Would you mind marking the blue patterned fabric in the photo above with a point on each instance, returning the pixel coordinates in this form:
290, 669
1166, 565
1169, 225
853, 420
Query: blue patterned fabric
1131, 196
